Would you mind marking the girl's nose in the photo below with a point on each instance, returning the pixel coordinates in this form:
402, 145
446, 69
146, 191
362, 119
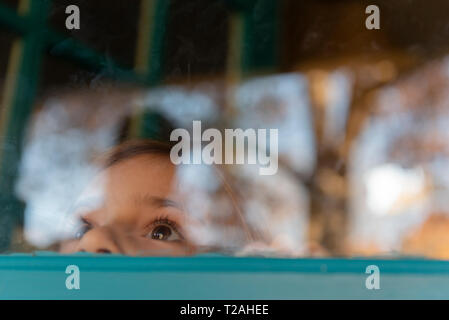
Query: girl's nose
99, 240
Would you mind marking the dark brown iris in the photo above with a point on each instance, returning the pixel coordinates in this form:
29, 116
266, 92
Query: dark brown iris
161, 233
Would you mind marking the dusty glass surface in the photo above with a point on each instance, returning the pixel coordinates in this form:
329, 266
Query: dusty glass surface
274, 128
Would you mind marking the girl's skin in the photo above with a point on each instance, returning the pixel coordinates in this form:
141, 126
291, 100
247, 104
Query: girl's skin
139, 212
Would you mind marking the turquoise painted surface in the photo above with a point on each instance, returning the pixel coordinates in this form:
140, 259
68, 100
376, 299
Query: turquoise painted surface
42, 276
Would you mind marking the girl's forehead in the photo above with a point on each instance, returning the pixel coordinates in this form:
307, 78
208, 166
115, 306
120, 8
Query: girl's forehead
140, 177
140, 172
192, 187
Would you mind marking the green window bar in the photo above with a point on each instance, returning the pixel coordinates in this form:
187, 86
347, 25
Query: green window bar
21, 82
253, 39
218, 277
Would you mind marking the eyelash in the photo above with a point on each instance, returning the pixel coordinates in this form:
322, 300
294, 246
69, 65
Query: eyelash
164, 220
84, 228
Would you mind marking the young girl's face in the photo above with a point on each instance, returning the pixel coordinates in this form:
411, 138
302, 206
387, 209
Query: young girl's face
139, 212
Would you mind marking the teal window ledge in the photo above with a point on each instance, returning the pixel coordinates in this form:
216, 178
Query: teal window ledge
42, 276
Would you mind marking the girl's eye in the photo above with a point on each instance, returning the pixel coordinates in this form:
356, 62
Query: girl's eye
164, 232
82, 230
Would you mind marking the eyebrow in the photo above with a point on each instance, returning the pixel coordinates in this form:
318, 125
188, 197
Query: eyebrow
157, 202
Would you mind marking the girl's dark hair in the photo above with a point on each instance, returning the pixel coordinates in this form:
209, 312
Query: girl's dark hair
145, 124
151, 135
132, 148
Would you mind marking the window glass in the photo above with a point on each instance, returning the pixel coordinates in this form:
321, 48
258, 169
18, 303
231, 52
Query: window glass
268, 128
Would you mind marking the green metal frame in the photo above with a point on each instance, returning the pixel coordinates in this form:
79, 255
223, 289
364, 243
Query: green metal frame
219, 277
256, 28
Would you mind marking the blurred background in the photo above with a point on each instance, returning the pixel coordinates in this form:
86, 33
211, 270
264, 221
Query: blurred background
362, 114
